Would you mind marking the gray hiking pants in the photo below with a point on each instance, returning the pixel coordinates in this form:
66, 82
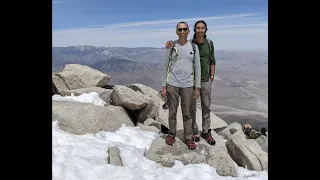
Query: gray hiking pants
205, 97
186, 95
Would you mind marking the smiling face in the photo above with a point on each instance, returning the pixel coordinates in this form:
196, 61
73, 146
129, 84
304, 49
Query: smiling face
182, 30
200, 29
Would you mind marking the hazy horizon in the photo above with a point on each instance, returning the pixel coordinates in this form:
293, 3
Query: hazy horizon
233, 50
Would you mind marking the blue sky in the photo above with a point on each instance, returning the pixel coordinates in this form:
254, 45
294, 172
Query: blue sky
232, 24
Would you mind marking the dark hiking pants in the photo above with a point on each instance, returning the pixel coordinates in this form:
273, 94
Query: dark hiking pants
186, 95
205, 97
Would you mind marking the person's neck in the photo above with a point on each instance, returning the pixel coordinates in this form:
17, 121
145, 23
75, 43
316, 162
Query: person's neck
183, 41
200, 39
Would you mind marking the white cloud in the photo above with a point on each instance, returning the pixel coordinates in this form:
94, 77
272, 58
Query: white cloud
58, 2
228, 32
175, 21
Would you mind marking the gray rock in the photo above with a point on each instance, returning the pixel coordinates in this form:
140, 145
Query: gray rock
148, 128
151, 122
89, 76
114, 156
150, 95
263, 142
231, 129
247, 152
216, 156
128, 98
71, 80
82, 118
59, 83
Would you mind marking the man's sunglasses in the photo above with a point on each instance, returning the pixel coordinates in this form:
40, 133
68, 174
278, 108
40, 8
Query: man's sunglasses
184, 29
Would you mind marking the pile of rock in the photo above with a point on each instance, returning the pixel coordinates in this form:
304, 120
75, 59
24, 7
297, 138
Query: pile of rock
139, 105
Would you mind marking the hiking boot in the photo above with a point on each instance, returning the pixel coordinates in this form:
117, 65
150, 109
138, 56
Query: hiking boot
208, 137
191, 145
196, 137
170, 140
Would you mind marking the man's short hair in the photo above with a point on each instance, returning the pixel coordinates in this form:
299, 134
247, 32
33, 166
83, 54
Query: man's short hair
182, 22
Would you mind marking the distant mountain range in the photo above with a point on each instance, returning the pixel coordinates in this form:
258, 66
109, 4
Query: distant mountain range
88, 55
241, 76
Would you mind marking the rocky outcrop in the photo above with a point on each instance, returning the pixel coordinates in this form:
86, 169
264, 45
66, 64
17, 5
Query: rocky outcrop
216, 156
139, 105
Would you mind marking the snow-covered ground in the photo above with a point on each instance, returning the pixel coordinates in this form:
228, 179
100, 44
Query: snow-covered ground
84, 157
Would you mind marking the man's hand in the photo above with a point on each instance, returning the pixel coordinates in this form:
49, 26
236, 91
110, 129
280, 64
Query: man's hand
196, 93
169, 44
164, 91
211, 78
